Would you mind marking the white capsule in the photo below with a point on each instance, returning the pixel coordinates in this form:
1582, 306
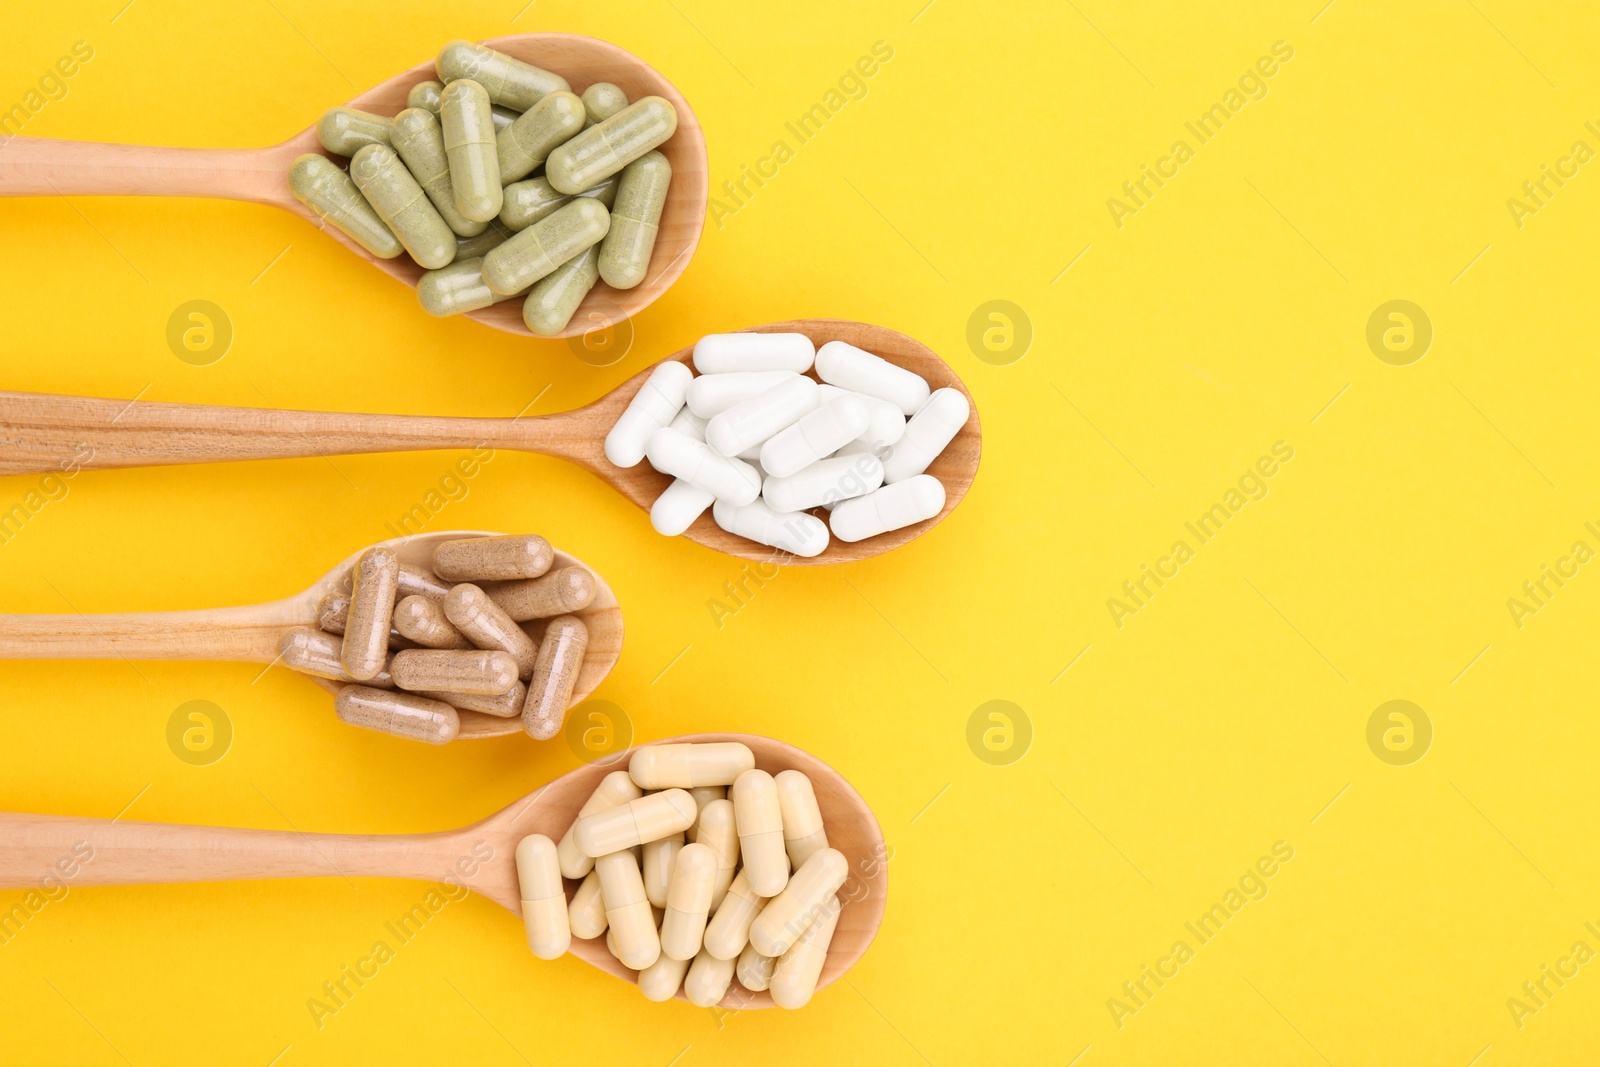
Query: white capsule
794, 532
849, 367
660, 981
707, 981
712, 394
794, 979
732, 480
819, 434
750, 422
827, 481
927, 434
890, 508
689, 424
544, 903
721, 353
677, 507
886, 421
656, 404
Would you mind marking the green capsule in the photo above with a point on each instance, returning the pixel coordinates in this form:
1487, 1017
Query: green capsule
526, 202
469, 145
602, 100
553, 300
420, 142
635, 221
479, 246
425, 95
545, 245
319, 184
401, 203
524, 144
503, 117
456, 289
602, 150
509, 81
344, 131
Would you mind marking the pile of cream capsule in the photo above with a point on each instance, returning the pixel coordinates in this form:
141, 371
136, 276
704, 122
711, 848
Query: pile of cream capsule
457, 638
760, 442
454, 180
685, 860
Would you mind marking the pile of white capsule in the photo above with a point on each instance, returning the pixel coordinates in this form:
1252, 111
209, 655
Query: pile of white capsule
760, 442
685, 860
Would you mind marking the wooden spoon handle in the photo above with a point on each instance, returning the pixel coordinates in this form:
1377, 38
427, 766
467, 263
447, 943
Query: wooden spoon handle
41, 433
244, 635
36, 166
51, 852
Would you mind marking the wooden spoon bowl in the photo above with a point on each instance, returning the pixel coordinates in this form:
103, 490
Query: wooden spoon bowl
251, 634
131, 853
39, 167
41, 433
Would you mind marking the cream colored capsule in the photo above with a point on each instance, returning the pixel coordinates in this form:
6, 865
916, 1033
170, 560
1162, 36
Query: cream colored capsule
544, 901
586, 914
760, 825
317, 654
627, 909
523, 145
422, 619
648, 818
487, 625
614, 789
807, 895
375, 581
754, 969
474, 559
803, 833
606, 147
635, 221
656, 865
554, 299
794, 979
703, 795
718, 830
729, 929
611, 946
544, 246
507, 705
321, 185
660, 981
401, 714
469, 145
690, 766
344, 131
508, 80
688, 901
555, 673
561, 592
707, 981
467, 671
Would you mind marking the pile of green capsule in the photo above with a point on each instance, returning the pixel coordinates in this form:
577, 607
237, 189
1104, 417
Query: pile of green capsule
501, 183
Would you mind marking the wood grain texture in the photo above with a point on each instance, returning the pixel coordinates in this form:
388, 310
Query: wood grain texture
132, 853
31, 166
40, 433
250, 634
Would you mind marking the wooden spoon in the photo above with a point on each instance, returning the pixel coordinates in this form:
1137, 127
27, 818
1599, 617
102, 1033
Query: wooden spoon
41, 433
31, 166
132, 853
251, 634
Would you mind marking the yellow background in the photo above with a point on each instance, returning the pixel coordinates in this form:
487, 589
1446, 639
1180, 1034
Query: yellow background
1225, 716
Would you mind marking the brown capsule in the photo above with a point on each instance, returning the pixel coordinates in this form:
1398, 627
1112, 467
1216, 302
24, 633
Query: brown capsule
561, 592
316, 653
334, 609
432, 670
505, 705
401, 714
422, 619
487, 625
366, 630
554, 675
475, 559
419, 581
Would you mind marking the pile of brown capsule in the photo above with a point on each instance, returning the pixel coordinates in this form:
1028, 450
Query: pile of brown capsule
501, 183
